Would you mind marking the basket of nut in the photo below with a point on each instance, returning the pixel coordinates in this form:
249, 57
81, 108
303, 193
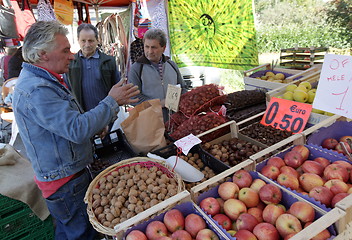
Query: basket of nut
128, 188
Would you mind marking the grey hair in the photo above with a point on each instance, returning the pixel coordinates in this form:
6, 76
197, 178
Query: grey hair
156, 34
41, 38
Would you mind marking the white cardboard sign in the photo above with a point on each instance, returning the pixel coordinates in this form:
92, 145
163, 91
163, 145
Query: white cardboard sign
334, 93
173, 95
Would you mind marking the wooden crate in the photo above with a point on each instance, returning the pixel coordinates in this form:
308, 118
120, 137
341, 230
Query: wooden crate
254, 83
345, 205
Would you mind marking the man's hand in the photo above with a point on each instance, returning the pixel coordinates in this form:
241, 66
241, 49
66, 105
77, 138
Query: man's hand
104, 132
123, 93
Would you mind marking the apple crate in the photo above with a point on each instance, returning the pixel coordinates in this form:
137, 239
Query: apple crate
314, 152
251, 82
323, 220
186, 208
336, 130
346, 205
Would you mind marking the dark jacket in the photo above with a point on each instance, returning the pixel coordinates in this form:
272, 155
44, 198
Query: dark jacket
108, 73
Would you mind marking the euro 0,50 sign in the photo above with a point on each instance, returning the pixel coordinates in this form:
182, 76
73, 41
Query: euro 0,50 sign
286, 115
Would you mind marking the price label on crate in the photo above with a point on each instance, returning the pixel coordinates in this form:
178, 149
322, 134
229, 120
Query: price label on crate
334, 92
186, 143
286, 115
172, 99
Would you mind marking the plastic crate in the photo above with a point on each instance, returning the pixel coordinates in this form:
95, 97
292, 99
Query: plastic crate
20, 223
43, 231
106, 155
9, 206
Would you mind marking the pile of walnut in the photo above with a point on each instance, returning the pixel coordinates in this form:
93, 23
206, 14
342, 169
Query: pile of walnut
128, 191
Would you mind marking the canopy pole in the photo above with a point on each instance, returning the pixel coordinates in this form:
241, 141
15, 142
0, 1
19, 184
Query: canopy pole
96, 7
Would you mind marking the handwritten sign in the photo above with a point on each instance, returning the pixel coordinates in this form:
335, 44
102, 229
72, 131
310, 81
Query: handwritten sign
334, 92
172, 99
286, 115
186, 143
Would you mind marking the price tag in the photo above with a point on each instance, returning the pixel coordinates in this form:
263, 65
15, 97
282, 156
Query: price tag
286, 115
186, 143
172, 99
334, 92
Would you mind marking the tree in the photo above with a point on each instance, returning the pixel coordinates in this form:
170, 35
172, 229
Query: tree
339, 12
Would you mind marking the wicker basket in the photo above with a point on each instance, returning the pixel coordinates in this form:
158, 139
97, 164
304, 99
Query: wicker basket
145, 162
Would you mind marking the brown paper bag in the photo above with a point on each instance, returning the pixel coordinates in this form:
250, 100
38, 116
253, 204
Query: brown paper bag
144, 128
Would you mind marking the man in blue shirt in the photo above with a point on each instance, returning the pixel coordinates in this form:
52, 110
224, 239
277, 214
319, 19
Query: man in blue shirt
92, 72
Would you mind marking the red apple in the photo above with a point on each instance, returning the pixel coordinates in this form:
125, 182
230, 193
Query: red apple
336, 171
257, 213
303, 211
164, 238
271, 212
336, 186
288, 181
340, 149
329, 143
303, 150
293, 159
322, 194
257, 184
270, 194
287, 224
313, 167
276, 161
266, 231
155, 229
289, 170
210, 205
242, 178
338, 197
223, 221
136, 235
323, 161
181, 235
245, 235
289, 236
249, 197
344, 164
228, 190
174, 220
270, 171
233, 208
221, 203
308, 181
323, 235
344, 139
246, 221
206, 234
194, 223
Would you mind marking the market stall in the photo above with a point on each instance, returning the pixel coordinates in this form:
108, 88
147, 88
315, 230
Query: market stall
277, 153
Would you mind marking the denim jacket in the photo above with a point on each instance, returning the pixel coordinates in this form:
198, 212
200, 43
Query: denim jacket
55, 131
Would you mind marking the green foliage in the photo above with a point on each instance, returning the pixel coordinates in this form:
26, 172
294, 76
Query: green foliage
290, 23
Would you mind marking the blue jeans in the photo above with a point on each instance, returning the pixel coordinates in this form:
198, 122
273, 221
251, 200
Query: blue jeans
69, 210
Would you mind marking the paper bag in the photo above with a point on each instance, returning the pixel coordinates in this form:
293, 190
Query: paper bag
144, 128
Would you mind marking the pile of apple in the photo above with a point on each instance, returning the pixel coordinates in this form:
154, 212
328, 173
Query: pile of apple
250, 208
175, 226
325, 181
302, 93
272, 77
335, 145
